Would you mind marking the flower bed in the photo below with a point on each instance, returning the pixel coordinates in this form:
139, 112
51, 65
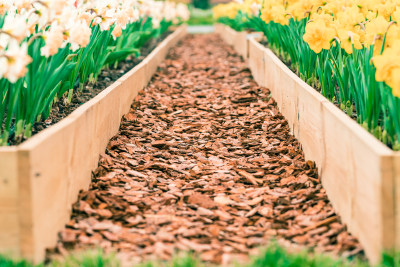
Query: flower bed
360, 174
42, 176
53, 52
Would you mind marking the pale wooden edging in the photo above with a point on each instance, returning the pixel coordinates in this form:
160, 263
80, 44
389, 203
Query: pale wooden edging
248, 50
359, 173
41, 178
236, 39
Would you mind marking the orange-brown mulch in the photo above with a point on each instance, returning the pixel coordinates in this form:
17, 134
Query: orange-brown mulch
205, 162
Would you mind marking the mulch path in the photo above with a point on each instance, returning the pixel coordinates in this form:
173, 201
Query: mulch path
204, 162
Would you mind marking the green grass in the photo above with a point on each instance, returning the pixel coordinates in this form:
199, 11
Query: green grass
276, 256
6, 262
187, 260
200, 17
200, 21
86, 259
273, 256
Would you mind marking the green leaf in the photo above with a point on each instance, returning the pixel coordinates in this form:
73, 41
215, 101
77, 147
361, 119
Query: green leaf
120, 55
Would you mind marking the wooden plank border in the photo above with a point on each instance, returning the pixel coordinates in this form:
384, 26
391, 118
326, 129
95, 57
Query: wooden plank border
360, 174
41, 178
239, 40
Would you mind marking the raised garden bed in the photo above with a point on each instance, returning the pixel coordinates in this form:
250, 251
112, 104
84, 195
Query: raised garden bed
41, 178
360, 174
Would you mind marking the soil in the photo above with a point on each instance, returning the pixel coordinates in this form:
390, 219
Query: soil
107, 76
204, 162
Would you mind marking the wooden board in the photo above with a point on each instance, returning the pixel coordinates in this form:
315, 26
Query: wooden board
240, 44
287, 85
133, 82
9, 224
223, 32
230, 35
360, 174
51, 181
357, 175
256, 61
310, 123
219, 28
271, 74
396, 179
234, 38
42, 176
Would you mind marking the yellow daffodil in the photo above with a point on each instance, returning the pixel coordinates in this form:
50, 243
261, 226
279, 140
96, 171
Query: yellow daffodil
350, 17
280, 15
388, 67
376, 28
229, 10
318, 36
386, 9
396, 15
348, 40
267, 15
355, 23
396, 82
301, 9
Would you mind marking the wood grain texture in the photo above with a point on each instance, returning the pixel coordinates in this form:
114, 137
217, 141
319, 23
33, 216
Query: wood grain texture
132, 82
41, 178
256, 61
310, 119
219, 28
270, 73
230, 36
60, 165
234, 38
359, 173
240, 44
9, 237
396, 178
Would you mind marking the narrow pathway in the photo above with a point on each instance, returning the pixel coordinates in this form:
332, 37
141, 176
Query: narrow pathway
204, 161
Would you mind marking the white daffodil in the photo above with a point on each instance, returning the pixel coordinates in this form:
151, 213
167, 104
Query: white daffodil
4, 39
57, 6
68, 16
86, 16
39, 17
122, 18
15, 26
169, 12
116, 32
79, 35
17, 60
5, 5
183, 12
22, 4
255, 9
3, 65
54, 39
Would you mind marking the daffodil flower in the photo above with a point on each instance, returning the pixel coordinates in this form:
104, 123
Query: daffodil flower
17, 59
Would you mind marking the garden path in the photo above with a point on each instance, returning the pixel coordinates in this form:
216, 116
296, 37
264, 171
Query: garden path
204, 161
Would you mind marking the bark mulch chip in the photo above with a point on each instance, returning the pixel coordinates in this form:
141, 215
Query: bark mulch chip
204, 162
